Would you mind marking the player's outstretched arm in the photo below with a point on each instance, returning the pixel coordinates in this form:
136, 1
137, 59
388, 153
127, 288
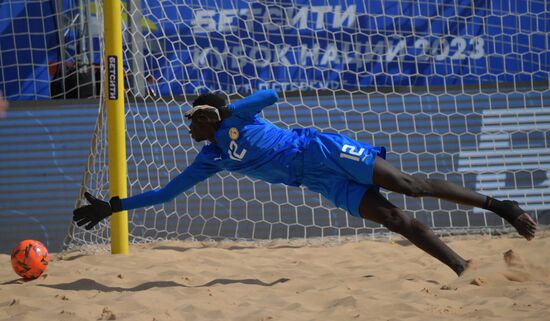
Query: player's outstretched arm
253, 104
98, 210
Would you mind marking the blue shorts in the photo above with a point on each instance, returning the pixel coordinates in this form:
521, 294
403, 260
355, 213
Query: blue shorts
339, 168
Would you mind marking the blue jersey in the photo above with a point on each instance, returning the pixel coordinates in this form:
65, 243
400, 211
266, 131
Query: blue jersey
245, 143
338, 167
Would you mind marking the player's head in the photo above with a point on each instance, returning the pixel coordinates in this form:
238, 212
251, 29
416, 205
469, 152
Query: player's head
206, 116
210, 99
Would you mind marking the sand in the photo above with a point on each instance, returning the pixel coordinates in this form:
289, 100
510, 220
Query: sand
360, 280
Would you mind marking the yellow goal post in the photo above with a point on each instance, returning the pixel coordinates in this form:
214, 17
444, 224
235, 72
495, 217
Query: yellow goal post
114, 98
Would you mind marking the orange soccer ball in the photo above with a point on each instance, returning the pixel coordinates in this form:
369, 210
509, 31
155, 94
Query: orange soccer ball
29, 259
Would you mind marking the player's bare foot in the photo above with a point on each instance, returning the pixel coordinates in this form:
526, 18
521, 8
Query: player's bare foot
522, 221
525, 226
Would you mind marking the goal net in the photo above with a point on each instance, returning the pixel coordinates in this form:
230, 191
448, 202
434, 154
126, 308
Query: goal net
454, 90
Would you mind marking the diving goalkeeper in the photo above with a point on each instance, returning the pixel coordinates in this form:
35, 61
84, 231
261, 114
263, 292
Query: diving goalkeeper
347, 172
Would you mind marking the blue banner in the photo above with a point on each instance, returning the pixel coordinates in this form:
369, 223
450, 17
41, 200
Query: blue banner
241, 46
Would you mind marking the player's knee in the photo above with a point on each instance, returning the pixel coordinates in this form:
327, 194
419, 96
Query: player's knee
414, 186
396, 220
418, 227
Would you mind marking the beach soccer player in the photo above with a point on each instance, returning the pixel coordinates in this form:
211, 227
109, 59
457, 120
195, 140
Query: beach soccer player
347, 172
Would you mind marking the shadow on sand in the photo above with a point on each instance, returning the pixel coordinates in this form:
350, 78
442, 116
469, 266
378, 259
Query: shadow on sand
87, 284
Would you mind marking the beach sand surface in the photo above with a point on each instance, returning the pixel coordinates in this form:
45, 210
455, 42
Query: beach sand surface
287, 280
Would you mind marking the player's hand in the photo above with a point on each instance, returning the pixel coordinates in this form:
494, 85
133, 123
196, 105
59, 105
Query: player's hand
94, 213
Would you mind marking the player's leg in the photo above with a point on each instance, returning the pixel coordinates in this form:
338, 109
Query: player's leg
375, 207
389, 177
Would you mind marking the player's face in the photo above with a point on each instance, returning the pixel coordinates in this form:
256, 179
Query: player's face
202, 131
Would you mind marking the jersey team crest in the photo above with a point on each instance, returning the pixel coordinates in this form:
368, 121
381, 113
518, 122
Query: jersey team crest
233, 133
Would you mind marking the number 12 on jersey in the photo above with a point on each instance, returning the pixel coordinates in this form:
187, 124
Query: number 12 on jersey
351, 152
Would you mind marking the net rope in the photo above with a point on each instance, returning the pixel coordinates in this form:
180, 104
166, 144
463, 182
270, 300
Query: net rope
457, 117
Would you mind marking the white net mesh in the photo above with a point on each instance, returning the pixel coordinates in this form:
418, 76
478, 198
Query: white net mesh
454, 91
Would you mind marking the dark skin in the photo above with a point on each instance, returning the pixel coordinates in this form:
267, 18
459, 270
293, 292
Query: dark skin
203, 131
375, 207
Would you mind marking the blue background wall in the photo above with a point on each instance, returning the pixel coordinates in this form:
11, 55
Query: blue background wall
44, 147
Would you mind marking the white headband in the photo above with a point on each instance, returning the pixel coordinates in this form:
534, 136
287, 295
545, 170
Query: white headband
190, 113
